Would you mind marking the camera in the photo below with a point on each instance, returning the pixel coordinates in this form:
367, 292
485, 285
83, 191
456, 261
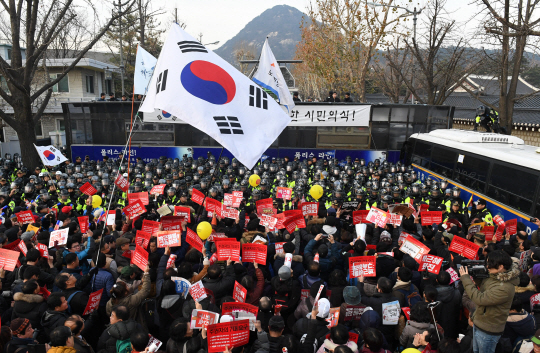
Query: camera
476, 268
532, 220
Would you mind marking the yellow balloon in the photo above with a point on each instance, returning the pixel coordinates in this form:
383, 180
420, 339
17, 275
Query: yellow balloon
316, 192
204, 229
254, 180
411, 350
96, 201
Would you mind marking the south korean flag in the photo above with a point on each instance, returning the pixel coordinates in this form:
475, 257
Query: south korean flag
199, 88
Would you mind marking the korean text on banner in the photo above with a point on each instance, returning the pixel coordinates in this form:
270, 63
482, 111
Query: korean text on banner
362, 266
239, 292
202, 318
432, 263
122, 183
264, 206
134, 209
169, 238
254, 252
171, 223
464, 247
309, 208
283, 193
142, 239
228, 334
25, 217
58, 237
414, 248
8, 259
184, 212
360, 216
268, 221
93, 302
197, 196
151, 227
430, 217
88, 189
83, 223
197, 291
140, 257
158, 189
379, 217
143, 196
193, 239
226, 249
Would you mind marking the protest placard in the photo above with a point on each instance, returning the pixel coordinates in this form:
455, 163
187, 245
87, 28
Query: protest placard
228, 334
203, 318
142, 239
197, 291
464, 247
197, 196
183, 212
151, 227
83, 224
143, 196
58, 237
122, 183
414, 248
254, 252
431, 217
134, 209
362, 266
239, 292
8, 259
360, 216
377, 216
168, 238
158, 189
93, 302
193, 239
432, 263
139, 257
283, 193
25, 217
226, 249
309, 208
88, 189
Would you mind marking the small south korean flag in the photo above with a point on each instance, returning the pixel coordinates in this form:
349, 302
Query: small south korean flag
50, 155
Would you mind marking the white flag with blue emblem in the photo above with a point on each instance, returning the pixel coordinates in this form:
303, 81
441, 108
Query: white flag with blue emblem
269, 76
193, 85
144, 67
50, 155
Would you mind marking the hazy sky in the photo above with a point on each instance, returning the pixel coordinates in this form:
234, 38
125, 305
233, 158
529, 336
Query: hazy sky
220, 20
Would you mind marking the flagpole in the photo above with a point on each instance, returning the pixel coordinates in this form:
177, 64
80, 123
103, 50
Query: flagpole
131, 127
207, 190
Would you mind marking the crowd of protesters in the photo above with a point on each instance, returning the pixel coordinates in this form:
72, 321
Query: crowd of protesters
44, 298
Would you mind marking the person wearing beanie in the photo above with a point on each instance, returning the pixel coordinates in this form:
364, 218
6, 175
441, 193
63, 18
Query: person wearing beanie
314, 324
27, 236
21, 336
287, 291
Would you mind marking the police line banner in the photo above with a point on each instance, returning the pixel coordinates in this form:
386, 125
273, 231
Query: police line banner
301, 115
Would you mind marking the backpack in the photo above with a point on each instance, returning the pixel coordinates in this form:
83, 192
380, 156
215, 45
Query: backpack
123, 346
148, 310
412, 296
69, 300
18, 278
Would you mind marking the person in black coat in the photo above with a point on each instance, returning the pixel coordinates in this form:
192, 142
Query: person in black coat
56, 313
29, 304
21, 331
75, 296
524, 291
120, 329
219, 282
296, 264
450, 307
183, 338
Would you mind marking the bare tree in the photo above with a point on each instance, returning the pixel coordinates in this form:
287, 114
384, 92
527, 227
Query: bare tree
244, 51
510, 25
36, 24
391, 78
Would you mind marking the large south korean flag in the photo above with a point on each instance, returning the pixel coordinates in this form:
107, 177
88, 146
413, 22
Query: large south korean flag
195, 85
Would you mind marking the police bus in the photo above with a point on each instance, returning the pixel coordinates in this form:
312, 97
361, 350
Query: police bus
498, 168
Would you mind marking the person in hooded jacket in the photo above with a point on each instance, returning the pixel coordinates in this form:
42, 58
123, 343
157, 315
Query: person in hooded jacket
120, 329
524, 290
29, 304
183, 339
420, 321
219, 282
170, 306
327, 259
56, 313
296, 264
404, 286
450, 306
519, 325
287, 291
339, 336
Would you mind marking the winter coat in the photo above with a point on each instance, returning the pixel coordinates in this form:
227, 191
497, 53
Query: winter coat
121, 261
296, 264
189, 305
265, 343
288, 299
103, 279
133, 301
377, 300
29, 306
327, 263
81, 346
169, 309
407, 336
449, 310
187, 345
247, 237
303, 308
316, 328
52, 319
493, 300
384, 266
524, 294
78, 301
406, 286
222, 285
119, 331
254, 295
306, 281
19, 345
329, 345
518, 326
62, 349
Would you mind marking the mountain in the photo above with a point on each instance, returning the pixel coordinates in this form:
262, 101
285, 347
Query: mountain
282, 26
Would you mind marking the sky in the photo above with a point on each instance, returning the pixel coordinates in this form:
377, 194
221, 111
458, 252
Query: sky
220, 20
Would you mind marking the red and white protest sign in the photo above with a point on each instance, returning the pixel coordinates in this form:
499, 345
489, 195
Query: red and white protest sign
488, 231
83, 223
230, 307
143, 196
153, 341
197, 291
464, 247
402, 237
353, 312
280, 219
142, 239
254, 252
239, 292
226, 249
25, 217
264, 206
362, 266
283, 193
360, 216
534, 300
213, 206
8, 259
88, 189
184, 212
296, 221
93, 302
139, 257
407, 312
197, 196
134, 209
171, 223
499, 232
279, 247
122, 183
22, 247
309, 208
158, 189
430, 217
151, 227
511, 226
58, 237
168, 238
228, 212
268, 221
394, 219
453, 275
171, 261
414, 248
233, 200
432, 263
203, 318
193, 239
379, 217
228, 334
43, 250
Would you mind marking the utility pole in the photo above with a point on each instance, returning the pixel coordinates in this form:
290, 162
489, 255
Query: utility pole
176, 14
121, 48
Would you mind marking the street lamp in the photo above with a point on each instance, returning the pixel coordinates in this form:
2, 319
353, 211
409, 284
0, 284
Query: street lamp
415, 16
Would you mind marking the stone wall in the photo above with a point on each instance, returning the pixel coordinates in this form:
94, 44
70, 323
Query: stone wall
528, 133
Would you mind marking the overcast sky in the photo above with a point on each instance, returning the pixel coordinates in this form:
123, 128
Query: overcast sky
220, 20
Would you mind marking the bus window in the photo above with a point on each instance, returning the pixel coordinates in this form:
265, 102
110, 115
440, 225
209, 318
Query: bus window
442, 161
512, 186
472, 172
423, 150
